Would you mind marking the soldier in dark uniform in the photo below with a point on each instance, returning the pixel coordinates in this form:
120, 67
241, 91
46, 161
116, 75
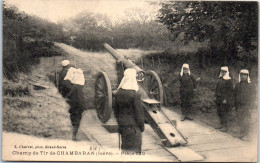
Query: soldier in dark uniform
64, 85
77, 106
75, 97
223, 94
129, 112
243, 102
187, 86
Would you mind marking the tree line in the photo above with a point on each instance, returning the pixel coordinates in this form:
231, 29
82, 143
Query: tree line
231, 28
212, 32
25, 39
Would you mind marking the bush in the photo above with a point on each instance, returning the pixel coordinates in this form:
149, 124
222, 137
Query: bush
25, 39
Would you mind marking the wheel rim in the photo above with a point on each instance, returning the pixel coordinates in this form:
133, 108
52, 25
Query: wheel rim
103, 97
153, 86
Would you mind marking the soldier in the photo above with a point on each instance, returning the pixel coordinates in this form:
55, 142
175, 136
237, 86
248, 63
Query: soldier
187, 86
64, 85
243, 102
223, 94
129, 112
75, 97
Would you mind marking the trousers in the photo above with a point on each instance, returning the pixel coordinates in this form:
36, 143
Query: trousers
75, 118
243, 116
223, 111
131, 139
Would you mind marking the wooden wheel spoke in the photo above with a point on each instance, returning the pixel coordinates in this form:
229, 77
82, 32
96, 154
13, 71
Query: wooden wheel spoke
104, 111
100, 99
151, 82
99, 92
155, 85
100, 108
99, 86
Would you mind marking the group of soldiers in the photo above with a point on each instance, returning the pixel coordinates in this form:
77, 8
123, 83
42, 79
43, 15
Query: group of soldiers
128, 107
227, 97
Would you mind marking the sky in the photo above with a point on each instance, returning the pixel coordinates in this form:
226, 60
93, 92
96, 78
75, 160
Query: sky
56, 10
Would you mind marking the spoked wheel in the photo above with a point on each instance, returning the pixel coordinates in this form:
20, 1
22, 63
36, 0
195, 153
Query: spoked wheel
103, 97
153, 85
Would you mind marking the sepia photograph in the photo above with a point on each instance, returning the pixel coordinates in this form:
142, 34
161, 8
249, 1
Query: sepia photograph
130, 81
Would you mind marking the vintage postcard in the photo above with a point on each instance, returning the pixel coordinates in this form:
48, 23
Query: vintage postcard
117, 80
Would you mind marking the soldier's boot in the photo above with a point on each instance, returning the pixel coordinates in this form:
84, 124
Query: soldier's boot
223, 129
74, 136
183, 116
244, 138
188, 115
218, 127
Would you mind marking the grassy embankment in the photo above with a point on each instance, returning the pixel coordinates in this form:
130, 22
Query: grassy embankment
42, 113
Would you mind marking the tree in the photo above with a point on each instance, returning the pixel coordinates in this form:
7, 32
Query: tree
227, 25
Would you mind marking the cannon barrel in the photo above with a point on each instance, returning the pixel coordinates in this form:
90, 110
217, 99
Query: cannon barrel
119, 57
151, 91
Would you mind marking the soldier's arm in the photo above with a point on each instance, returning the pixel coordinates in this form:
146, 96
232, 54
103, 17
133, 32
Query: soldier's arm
139, 112
116, 108
194, 81
174, 80
235, 95
229, 92
252, 96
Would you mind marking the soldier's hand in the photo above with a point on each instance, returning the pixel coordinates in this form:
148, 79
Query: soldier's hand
224, 101
198, 79
114, 92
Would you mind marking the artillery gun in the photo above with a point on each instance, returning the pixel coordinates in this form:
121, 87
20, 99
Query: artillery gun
151, 90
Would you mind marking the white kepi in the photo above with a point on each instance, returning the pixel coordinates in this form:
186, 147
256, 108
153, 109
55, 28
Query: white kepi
244, 71
186, 66
129, 81
226, 76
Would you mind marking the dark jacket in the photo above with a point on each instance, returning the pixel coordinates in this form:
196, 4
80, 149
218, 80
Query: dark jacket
76, 98
224, 91
128, 109
187, 83
64, 85
243, 93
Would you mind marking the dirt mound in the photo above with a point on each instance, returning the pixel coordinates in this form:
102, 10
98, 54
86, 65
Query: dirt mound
42, 113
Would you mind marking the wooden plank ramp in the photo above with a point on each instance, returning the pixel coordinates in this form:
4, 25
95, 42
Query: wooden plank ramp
204, 142
213, 144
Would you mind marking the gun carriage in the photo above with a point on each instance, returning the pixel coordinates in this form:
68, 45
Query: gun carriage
151, 89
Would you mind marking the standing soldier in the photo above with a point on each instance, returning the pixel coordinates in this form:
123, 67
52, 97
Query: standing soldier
75, 97
129, 112
223, 94
243, 102
187, 86
64, 85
